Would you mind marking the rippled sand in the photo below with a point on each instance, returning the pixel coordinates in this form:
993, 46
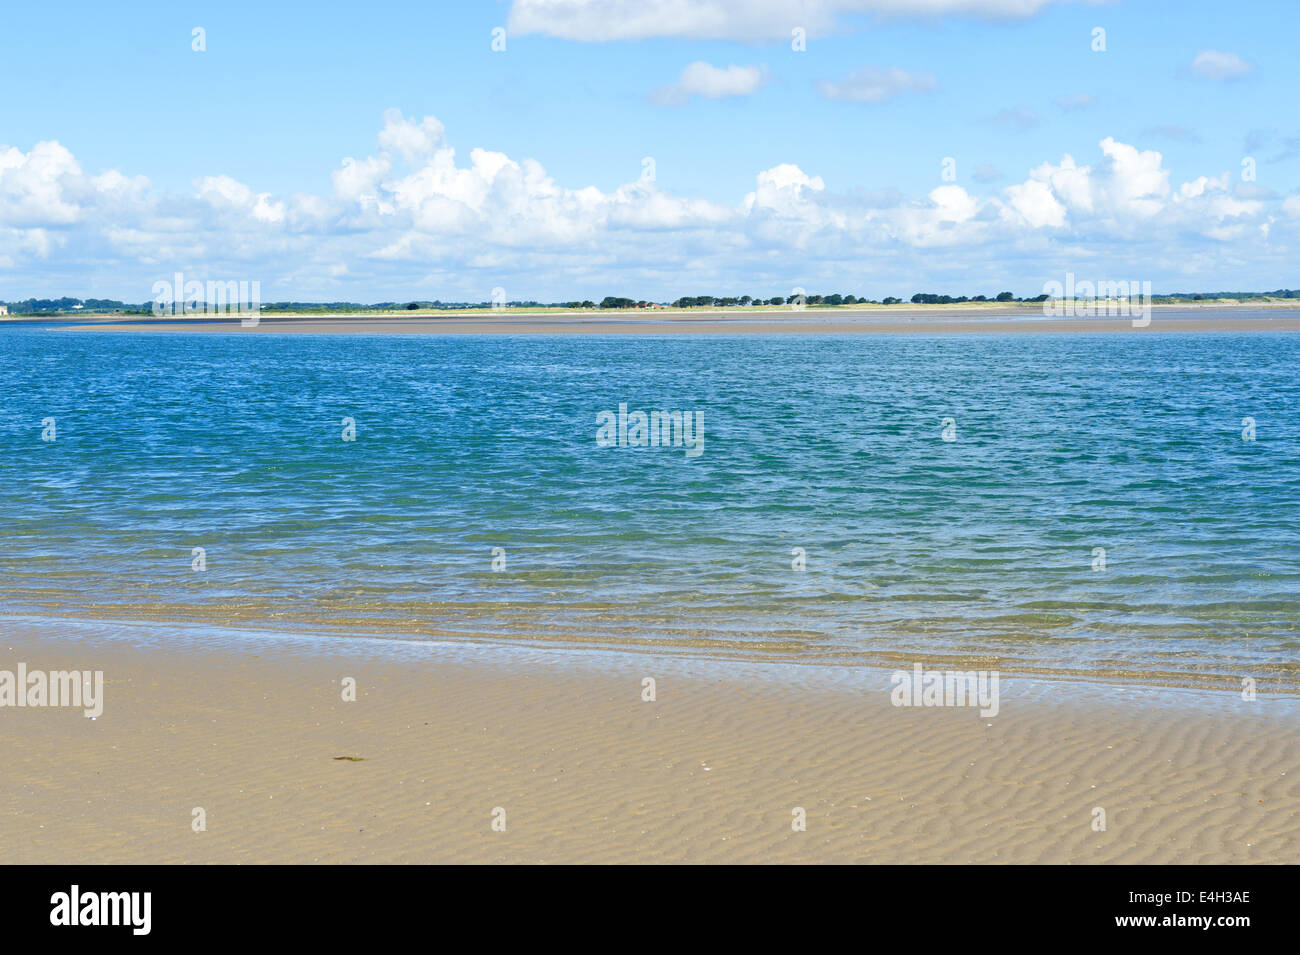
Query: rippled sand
586, 771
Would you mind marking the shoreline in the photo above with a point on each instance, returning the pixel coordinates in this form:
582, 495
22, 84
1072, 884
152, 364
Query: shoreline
587, 771
402, 645
940, 320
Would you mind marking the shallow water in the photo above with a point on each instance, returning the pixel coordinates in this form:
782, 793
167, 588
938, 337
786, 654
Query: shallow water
978, 550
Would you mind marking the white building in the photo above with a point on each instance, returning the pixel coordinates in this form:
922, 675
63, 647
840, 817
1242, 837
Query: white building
4, 309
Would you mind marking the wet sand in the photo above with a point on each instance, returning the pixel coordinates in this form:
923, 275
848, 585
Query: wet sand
713, 770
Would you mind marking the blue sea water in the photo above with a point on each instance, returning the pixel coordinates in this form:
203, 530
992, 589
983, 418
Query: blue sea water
977, 551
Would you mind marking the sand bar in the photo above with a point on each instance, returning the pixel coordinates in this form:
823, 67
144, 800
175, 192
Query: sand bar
938, 321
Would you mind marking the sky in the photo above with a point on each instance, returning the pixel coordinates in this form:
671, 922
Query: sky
572, 149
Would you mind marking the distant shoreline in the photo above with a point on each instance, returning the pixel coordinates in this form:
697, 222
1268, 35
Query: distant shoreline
892, 320
460, 310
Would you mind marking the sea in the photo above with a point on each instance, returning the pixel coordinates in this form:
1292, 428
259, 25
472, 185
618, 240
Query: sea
1113, 507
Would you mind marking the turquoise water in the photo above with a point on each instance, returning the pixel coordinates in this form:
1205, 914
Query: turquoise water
979, 550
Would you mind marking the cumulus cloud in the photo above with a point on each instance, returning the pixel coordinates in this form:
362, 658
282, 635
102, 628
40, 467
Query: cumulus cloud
876, 85
784, 189
1128, 185
358, 181
413, 140
1134, 181
1035, 204
43, 186
226, 194
418, 216
1217, 65
596, 21
1213, 199
710, 82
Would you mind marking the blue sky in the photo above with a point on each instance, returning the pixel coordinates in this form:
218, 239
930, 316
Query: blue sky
225, 162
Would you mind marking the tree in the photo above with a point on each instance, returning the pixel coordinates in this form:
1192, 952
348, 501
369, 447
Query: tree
1005, 297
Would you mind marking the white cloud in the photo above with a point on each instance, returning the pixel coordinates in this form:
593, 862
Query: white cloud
413, 140
946, 218
227, 195
358, 181
1198, 187
1073, 183
1217, 65
1134, 181
784, 189
711, 82
43, 186
1128, 185
1035, 204
876, 85
953, 204
1212, 199
598, 21
416, 219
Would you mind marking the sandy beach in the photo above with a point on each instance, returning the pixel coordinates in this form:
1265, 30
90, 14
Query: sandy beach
684, 432
902, 321
712, 770
517, 698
